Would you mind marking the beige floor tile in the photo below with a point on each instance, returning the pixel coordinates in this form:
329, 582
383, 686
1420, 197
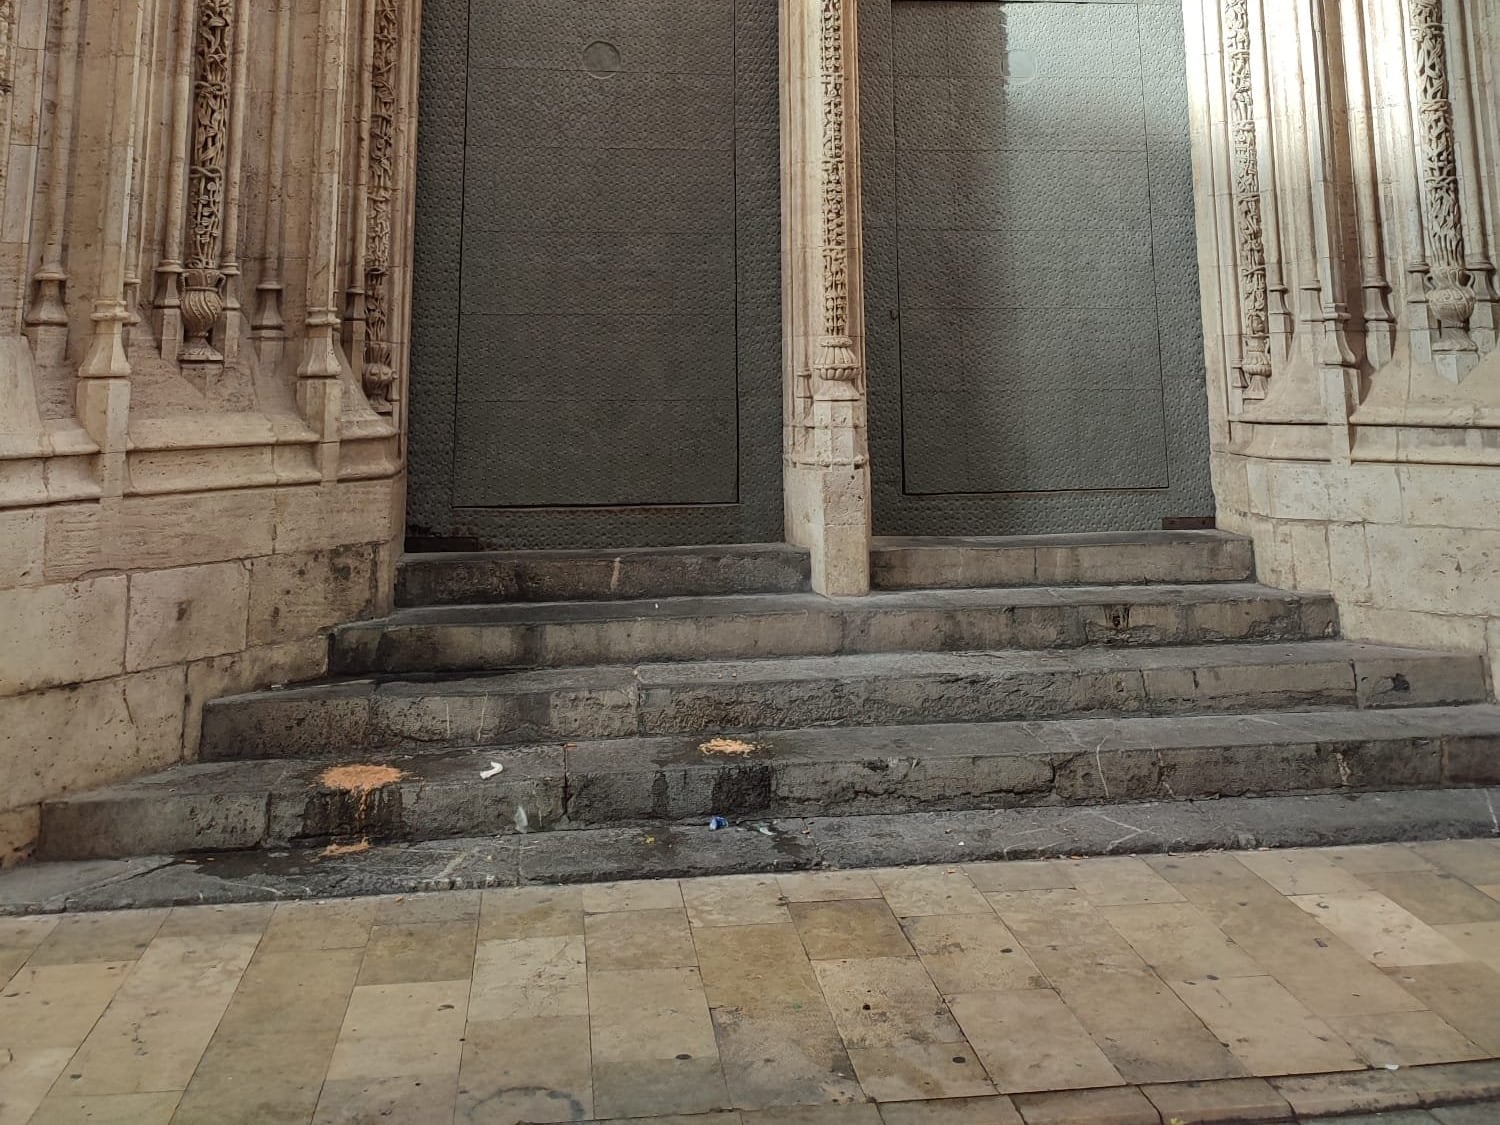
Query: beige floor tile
827, 886
1178, 942
1480, 940
735, 900
647, 894
1021, 875
1405, 1039
442, 906
1121, 881
1365, 1091
409, 1030
1087, 1107
11, 961
885, 1002
1491, 889
260, 1076
108, 1109
1266, 1027
1217, 868
865, 1114
1317, 967
1435, 897
419, 951
1474, 861
26, 1074
1380, 930
523, 912
291, 992
996, 1110
529, 978
156, 1028
972, 953
915, 1071
1065, 934
642, 1014
115, 935
1213, 1103
531, 1070
849, 928
1364, 858
57, 1005
205, 921
1298, 872
1466, 995
721, 1117
757, 969
336, 924
427, 1100
25, 934
914, 891
1031, 1041
656, 1087
639, 939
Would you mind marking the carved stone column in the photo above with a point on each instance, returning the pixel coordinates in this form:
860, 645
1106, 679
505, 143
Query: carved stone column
827, 477
379, 371
203, 279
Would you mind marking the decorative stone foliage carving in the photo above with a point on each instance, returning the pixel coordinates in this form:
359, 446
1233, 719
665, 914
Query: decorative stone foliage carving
1255, 357
1449, 297
202, 297
379, 366
836, 360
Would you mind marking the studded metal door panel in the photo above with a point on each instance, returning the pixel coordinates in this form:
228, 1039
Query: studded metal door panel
596, 337
1035, 354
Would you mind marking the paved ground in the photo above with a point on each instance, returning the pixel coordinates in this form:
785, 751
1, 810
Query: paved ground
1060, 992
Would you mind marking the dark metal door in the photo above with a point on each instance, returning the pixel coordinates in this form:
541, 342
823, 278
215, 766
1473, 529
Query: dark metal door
1035, 352
596, 337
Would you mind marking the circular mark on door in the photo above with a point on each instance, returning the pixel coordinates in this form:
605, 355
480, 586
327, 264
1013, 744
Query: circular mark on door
601, 59
1020, 67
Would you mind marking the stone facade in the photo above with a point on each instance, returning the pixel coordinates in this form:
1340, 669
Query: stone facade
205, 295
1345, 159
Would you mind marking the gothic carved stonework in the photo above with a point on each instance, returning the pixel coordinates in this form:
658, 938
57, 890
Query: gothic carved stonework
836, 360
7, 68
1255, 359
379, 366
202, 299
1449, 297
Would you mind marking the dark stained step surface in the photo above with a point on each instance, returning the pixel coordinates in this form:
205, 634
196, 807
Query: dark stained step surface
788, 844
820, 772
488, 638
454, 578
340, 719
1101, 558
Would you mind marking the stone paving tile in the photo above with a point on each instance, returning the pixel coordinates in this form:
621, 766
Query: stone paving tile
18, 938
419, 951
735, 900
426, 1100
1435, 897
997, 1110
1368, 1091
1236, 1100
1217, 868
527, 912
1466, 995
914, 891
1264, 1025
204, 921
972, 953
268, 1078
57, 1005
26, 1074
334, 924
1363, 858
116, 935
643, 1014
1021, 875
1405, 1039
446, 906
1466, 1114
914, 1071
108, 1109
849, 928
529, 978
885, 1002
807, 1115
402, 1030
827, 886
1480, 940
1031, 1041
1179, 943
1121, 881
639, 939
1095, 1107
1297, 872
1387, 934
658, 894
1476, 862
526, 1070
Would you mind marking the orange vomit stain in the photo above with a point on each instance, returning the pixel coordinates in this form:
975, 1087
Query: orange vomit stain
732, 746
359, 778
347, 849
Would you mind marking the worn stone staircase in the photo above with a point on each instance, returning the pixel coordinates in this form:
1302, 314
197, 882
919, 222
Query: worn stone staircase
657, 687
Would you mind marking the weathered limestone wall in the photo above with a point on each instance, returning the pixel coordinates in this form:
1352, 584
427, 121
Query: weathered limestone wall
1346, 159
204, 274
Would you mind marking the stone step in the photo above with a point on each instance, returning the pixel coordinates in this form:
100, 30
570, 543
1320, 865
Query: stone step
379, 716
1102, 558
741, 627
482, 577
216, 806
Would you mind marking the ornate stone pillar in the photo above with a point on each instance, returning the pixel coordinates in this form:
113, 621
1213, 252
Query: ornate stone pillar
827, 476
